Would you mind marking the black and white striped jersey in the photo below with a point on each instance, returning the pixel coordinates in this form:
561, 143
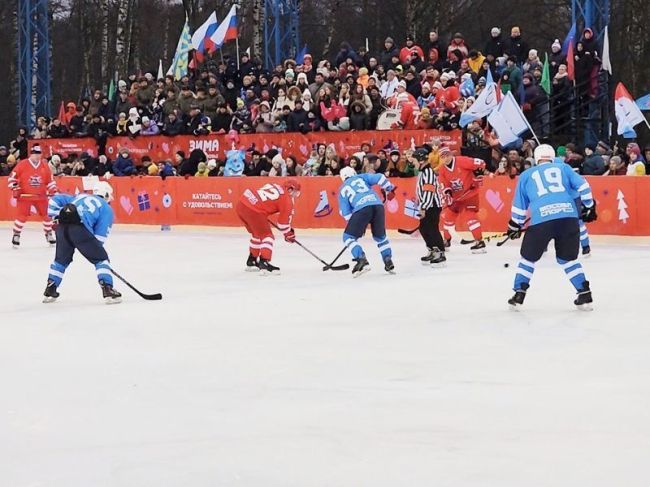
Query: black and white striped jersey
427, 189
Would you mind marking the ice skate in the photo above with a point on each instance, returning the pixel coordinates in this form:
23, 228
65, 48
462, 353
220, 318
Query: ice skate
586, 252
268, 269
252, 265
111, 296
584, 300
426, 260
439, 260
50, 294
51, 239
478, 247
447, 243
517, 300
15, 240
389, 266
361, 267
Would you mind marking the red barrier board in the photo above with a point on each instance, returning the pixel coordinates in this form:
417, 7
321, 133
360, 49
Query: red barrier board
160, 147
622, 202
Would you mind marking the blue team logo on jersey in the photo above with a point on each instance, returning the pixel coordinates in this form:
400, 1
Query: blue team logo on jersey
456, 184
35, 181
323, 208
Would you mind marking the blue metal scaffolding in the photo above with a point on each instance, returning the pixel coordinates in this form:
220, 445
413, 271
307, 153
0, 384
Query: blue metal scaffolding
34, 75
591, 13
281, 31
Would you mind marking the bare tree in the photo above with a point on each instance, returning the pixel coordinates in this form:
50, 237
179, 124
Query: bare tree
121, 61
258, 28
103, 4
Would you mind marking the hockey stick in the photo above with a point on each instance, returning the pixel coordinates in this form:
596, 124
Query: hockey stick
147, 297
501, 242
408, 232
341, 267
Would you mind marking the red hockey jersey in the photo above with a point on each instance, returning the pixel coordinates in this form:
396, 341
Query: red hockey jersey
32, 181
459, 177
269, 200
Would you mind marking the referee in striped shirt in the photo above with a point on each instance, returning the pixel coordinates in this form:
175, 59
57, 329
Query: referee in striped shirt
430, 206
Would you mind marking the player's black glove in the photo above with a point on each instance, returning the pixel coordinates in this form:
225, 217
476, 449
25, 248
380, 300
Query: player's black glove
589, 214
514, 230
479, 172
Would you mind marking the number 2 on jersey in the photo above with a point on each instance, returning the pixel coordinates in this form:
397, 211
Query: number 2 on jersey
548, 180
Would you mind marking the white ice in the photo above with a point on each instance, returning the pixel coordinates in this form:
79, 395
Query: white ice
316, 379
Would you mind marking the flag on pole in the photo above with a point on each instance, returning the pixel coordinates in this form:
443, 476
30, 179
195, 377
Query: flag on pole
628, 114
569, 39
61, 115
300, 57
467, 87
111, 90
508, 120
570, 63
488, 77
545, 82
201, 41
179, 66
607, 64
484, 104
227, 29
161, 74
644, 102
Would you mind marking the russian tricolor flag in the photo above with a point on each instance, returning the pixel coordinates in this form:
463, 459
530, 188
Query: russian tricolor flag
227, 30
201, 41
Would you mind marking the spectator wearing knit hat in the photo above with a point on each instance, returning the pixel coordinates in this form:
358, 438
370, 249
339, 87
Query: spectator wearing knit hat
636, 164
456, 46
388, 53
515, 45
556, 58
494, 45
406, 53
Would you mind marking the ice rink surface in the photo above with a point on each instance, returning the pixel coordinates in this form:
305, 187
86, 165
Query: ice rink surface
313, 378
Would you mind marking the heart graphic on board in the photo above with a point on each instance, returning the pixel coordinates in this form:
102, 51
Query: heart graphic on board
494, 199
126, 205
304, 150
13, 202
265, 148
165, 147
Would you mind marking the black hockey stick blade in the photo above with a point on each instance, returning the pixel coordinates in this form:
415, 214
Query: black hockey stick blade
341, 267
501, 242
146, 297
407, 232
467, 242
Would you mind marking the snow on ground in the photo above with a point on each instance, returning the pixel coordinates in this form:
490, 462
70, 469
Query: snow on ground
313, 378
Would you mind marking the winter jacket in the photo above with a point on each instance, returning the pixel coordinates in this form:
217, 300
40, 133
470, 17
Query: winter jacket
494, 47
122, 106
298, 121
594, 165
189, 167
173, 128
386, 56
145, 95
123, 166
359, 120
221, 122
515, 46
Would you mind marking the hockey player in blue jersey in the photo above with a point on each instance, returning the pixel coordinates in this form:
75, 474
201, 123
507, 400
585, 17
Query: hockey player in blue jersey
361, 206
546, 191
584, 234
83, 223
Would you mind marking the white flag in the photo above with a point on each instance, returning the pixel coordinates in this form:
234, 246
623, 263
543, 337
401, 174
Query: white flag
160, 70
484, 104
204, 31
607, 65
508, 120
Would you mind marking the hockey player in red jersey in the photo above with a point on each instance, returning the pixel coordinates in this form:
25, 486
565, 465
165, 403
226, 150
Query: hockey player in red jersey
460, 178
31, 183
254, 209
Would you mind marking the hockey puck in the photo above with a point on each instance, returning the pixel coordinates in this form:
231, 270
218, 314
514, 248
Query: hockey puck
506, 265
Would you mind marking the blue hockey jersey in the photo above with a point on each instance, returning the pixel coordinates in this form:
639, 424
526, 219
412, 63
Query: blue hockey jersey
95, 213
549, 191
356, 193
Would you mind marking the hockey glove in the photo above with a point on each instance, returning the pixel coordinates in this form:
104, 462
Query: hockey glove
390, 194
589, 214
290, 236
447, 198
514, 230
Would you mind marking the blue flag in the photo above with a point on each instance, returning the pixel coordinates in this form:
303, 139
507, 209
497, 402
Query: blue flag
467, 87
300, 57
570, 37
644, 102
488, 77
522, 93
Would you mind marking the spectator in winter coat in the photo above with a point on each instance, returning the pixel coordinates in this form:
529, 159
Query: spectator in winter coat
556, 58
514, 73
345, 53
636, 165
594, 164
149, 127
515, 45
124, 164
358, 117
104, 166
386, 56
390, 85
298, 120
494, 46
616, 167
57, 130
475, 61
222, 121
189, 167
122, 104
409, 49
457, 44
436, 53
172, 126
78, 123
413, 85
573, 157
532, 62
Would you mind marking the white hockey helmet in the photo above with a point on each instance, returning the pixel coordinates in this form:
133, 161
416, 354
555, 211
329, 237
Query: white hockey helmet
544, 153
347, 172
104, 190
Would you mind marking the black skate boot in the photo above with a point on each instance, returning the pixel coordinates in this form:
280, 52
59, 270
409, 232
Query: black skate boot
252, 265
111, 296
268, 269
51, 239
439, 259
478, 247
586, 251
517, 300
51, 294
389, 266
15, 240
426, 260
584, 300
447, 243
361, 267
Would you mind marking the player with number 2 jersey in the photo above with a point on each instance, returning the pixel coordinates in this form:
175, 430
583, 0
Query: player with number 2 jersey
546, 192
254, 208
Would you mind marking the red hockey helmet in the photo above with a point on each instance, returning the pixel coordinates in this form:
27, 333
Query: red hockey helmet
292, 184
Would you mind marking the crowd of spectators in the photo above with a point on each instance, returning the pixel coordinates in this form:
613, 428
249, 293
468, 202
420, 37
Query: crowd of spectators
431, 82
